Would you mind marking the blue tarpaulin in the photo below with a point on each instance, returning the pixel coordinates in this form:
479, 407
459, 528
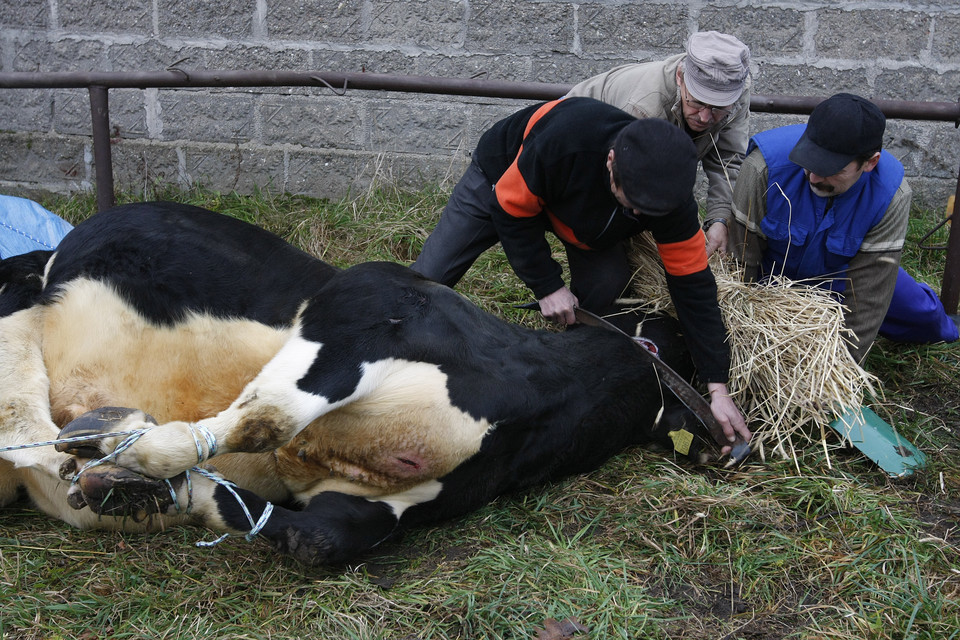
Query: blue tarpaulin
26, 226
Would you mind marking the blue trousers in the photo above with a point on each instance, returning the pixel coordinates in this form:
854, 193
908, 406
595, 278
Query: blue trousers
916, 314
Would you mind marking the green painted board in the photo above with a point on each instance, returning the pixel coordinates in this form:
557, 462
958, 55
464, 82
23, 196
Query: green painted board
879, 441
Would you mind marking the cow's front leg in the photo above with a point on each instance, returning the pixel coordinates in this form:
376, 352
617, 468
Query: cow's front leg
270, 411
163, 451
87, 437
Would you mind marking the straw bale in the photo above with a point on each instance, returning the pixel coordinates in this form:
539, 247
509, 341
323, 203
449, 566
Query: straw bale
791, 372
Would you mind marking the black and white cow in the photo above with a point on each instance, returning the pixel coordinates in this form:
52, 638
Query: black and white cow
352, 401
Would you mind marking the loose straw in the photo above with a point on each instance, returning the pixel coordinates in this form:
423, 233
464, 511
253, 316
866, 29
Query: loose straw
790, 371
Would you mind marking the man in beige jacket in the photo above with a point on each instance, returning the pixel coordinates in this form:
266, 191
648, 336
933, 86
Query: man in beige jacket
706, 91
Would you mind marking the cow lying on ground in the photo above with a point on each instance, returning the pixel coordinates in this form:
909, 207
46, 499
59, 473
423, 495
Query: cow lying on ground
351, 402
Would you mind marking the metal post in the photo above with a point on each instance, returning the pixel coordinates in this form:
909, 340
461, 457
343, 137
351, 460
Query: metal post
102, 160
950, 293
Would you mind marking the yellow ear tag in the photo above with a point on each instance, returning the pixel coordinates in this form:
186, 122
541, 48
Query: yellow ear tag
681, 440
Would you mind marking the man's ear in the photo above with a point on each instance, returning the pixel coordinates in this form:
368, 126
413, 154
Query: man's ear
610, 158
871, 164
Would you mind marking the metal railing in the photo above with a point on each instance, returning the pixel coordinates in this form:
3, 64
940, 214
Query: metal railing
99, 83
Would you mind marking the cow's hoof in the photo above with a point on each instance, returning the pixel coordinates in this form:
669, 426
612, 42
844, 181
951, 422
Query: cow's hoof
110, 490
69, 468
75, 498
93, 425
310, 548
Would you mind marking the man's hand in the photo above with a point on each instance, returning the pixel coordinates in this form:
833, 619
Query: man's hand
716, 238
727, 414
559, 305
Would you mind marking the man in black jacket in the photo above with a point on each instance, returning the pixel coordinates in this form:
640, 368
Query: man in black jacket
594, 176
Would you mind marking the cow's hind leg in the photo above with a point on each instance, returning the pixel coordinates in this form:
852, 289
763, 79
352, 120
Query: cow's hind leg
332, 528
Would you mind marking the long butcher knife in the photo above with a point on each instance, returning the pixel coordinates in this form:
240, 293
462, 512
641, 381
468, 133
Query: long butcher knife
689, 396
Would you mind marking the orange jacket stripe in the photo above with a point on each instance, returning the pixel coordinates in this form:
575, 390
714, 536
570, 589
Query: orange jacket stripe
686, 257
512, 191
564, 232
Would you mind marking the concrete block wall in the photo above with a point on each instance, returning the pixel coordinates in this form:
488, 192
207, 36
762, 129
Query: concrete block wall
317, 142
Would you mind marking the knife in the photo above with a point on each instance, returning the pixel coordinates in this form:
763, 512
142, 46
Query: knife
684, 391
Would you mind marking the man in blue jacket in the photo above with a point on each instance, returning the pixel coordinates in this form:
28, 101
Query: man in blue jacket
823, 203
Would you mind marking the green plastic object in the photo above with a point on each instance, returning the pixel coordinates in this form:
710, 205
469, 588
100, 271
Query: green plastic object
879, 441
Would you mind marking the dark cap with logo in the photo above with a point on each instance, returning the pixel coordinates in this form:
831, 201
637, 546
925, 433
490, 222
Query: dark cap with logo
841, 129
657, 163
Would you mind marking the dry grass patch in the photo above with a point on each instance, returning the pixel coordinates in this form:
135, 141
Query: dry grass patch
790, 373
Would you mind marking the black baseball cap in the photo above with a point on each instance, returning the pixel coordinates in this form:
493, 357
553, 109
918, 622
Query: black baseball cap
841, 129
657, 163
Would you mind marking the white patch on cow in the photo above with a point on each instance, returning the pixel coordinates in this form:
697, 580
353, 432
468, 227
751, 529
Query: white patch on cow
276, 384
410, 400
46, 270
419, 494
398, 430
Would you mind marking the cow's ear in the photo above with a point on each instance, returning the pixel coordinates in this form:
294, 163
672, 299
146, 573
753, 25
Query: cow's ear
679, 431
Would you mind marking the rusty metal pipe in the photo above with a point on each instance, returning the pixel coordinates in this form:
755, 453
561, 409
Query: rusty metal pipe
899, 109
102, 155
939, 111
370, 81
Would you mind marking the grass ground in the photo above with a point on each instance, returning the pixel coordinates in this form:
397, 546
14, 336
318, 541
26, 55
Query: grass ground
645, 547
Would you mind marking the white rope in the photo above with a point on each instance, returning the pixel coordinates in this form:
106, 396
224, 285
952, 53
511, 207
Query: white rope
132, 436
47, 443
255, 527
208, 436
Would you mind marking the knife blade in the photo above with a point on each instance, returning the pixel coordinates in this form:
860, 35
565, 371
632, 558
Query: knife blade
682, 389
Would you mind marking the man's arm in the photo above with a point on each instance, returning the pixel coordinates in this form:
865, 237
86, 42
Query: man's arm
695, 299
743, 237
873, 273
693, 290
873, 277
521, 232
723, 159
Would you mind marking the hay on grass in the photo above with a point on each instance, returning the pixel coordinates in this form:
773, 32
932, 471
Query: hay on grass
791, 373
